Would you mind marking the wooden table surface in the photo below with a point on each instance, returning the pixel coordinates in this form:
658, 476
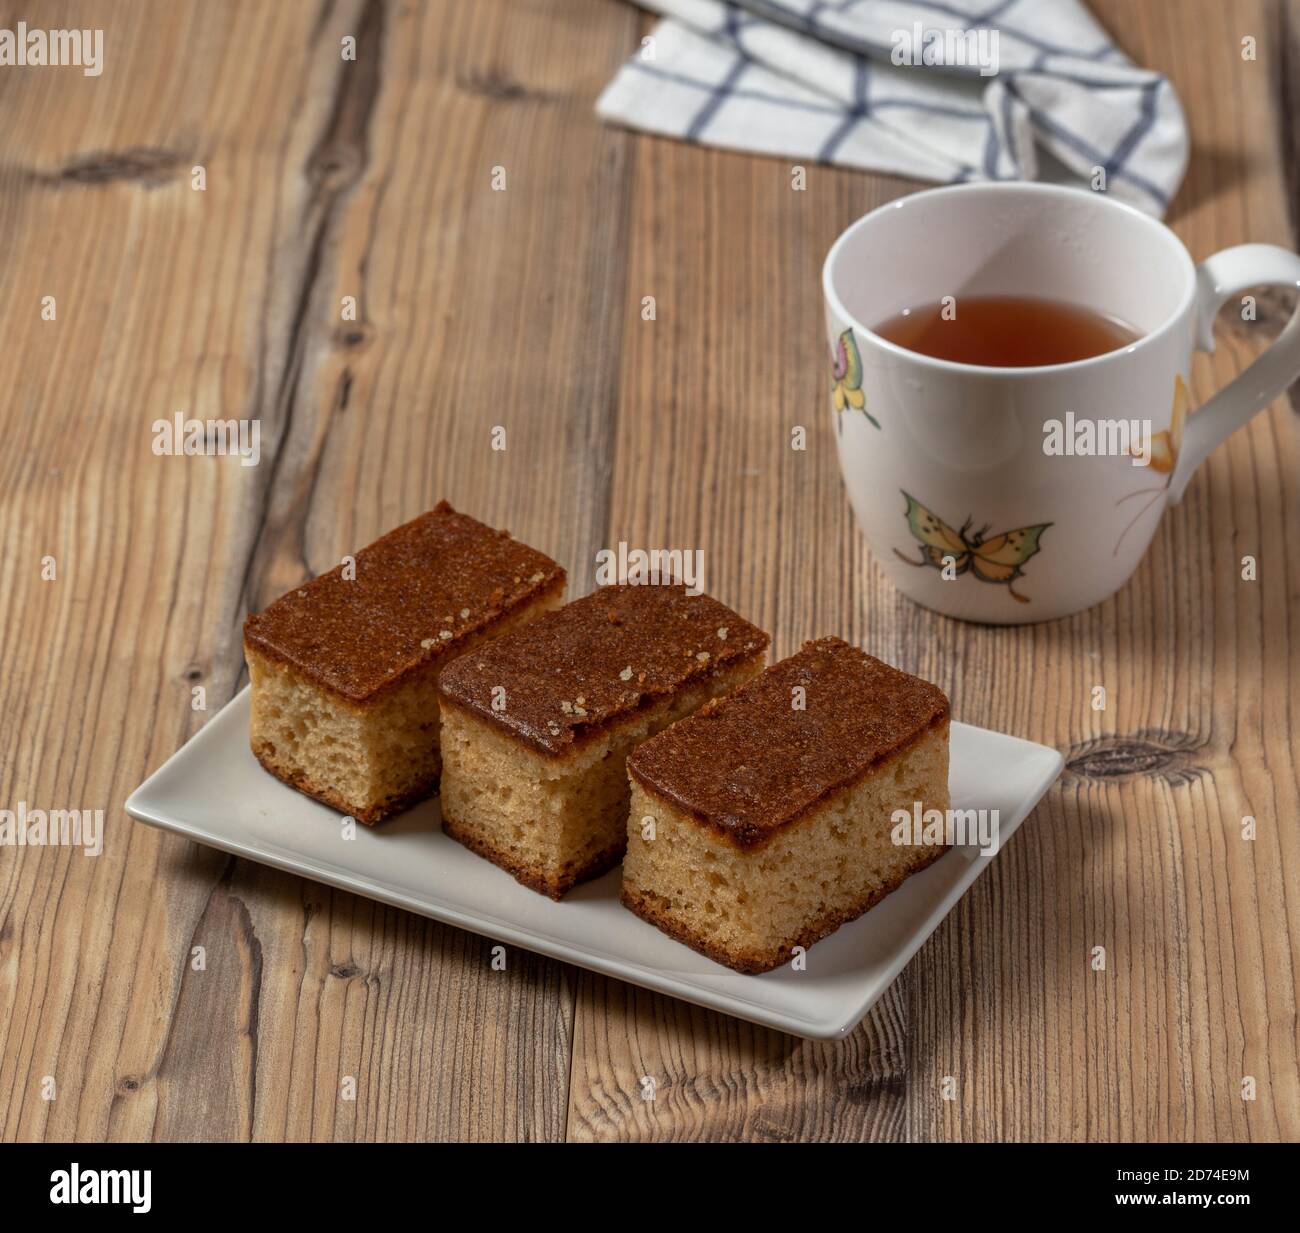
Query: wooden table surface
373, 179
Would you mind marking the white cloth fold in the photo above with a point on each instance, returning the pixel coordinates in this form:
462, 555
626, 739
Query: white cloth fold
1023, 89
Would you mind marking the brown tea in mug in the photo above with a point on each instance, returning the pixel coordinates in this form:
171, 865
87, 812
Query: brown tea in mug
1007, 331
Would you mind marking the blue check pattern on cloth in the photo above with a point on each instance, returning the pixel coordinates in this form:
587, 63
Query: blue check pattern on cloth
813, 79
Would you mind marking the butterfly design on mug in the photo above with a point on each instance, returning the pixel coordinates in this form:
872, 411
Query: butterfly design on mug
999, 559
846, 375
1165, 446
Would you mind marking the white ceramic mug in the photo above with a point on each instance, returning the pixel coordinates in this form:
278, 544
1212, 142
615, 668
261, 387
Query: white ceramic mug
950, 467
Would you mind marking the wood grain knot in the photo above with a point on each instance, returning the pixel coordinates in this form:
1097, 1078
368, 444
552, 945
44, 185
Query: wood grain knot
193, 673
343, 395
345, 971
150, 166
870, 1089
1273, 309
354, 335
336, 166
765, 1131
495, 86
127, 1084
1152, 752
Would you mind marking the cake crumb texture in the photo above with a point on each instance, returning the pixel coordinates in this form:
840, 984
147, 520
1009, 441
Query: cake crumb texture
569, 676
809, 725
345, 672
751, 833
549, 821
419, 594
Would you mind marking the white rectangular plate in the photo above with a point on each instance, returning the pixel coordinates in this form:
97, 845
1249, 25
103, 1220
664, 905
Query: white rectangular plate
214, 792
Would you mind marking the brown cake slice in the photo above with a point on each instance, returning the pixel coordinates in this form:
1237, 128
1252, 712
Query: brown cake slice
537, 725
757, 826
345, 670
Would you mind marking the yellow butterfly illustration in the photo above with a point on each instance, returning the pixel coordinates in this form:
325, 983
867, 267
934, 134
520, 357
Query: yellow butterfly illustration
999, 559
1165, 446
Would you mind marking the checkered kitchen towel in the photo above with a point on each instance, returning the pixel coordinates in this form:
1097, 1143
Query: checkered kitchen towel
852, 82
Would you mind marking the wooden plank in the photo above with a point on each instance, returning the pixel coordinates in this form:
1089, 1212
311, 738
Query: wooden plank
521, 308
103, 214
326, 178
1138, 848
712, 389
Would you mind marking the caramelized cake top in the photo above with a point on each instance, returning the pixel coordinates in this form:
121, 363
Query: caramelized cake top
573, 673
419, 592
750, 762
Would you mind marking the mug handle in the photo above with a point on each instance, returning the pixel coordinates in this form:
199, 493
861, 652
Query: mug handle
1225, 274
